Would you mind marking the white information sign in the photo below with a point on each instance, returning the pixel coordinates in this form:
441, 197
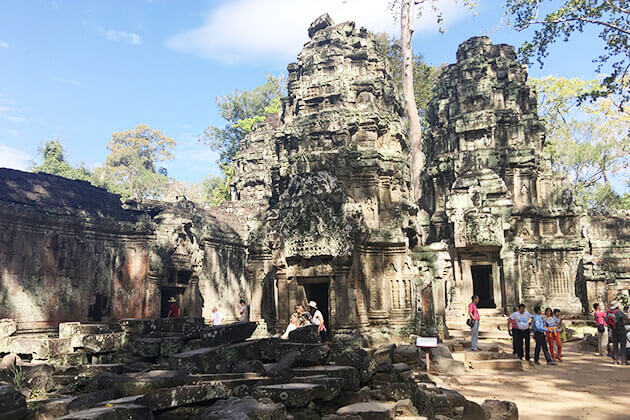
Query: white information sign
426, 342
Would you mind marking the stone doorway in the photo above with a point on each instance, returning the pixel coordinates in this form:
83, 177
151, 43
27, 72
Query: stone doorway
166, 292
483, 285
319, 293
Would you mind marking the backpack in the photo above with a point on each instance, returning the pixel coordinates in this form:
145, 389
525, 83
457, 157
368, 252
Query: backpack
611, 319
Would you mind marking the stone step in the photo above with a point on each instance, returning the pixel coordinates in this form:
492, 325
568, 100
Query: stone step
499, 364
125, 411
369, 410
494, 334
291, 395
166, 398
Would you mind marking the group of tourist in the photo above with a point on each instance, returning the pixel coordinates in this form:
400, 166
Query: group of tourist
613, 330
548, 331
302, 318
174, 311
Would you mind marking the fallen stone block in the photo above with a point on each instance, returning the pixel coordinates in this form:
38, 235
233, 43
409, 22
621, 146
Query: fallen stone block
213, 359
448, 366
138, 383
39, 376
501, 410
408, 354
12, 403
118, 412
163, 398
306, 334
137, 326
55, 408
473, 411
171, 345
146, 347
332, 385
228, 333
441, 350
384, 353
349, 374
7, 327
245, 408
102, 343
9, 361
291, 395
75, 331
371, 410
445, 401
93, 370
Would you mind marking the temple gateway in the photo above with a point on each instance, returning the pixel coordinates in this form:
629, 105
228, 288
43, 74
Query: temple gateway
322, 209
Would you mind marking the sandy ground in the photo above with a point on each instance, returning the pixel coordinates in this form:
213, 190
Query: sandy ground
584, 386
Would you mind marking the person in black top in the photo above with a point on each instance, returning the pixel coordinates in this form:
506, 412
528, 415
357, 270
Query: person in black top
616, 320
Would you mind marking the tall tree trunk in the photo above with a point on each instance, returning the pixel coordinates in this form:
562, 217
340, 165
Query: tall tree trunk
415, 136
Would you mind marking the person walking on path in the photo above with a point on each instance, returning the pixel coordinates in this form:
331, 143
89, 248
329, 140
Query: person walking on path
553, 335
523, 320
539, 337
473, 315
602, 331
616, 320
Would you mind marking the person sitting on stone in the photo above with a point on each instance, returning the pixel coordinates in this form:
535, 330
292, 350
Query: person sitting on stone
294, 324
217, 317
244, 311
318, 319
173, 309
303, 313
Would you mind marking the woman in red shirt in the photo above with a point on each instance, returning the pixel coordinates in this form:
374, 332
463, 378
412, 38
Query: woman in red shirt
602, 331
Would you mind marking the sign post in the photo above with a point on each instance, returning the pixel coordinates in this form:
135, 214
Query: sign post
426, 343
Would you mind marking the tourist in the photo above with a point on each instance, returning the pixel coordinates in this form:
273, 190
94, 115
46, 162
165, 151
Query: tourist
244, 311
539, 337
558, 316
521, 333
627, 344
318, 319
217, 317
294, 324
511, 327
303, 313
602, 331
473, 315
173, 308
616, 320
553, 335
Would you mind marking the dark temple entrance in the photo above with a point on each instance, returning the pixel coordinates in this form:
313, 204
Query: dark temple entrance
167, 292
319, 293
482, 285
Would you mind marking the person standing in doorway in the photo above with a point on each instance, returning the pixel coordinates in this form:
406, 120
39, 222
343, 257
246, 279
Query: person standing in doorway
539, 337
521, 334
244, 311
602, 331
318, 319
616, 320
473, 315
173, 308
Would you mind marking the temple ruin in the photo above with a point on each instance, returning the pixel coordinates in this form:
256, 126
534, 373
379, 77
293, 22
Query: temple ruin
322, 209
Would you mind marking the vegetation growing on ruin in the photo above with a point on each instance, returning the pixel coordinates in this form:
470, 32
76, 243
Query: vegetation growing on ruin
54, 162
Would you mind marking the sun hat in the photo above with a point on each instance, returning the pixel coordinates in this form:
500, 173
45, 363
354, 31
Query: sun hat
171, 299
312, 304
614, 304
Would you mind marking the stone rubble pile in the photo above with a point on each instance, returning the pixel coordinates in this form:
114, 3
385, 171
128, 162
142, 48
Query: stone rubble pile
183, 369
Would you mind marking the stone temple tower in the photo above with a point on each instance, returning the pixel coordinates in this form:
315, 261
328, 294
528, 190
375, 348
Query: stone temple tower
511, 224
336, 210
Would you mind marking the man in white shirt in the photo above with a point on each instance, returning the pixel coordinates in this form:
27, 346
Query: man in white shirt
217, 317
522, 320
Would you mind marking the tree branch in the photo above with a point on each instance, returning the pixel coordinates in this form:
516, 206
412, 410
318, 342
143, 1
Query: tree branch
575, 19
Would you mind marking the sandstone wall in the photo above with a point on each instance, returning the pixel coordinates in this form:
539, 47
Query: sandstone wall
68, 251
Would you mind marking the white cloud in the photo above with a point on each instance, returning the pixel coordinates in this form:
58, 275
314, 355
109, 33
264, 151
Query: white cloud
8, 112
14, 158
122, 36
4, 44
248, 30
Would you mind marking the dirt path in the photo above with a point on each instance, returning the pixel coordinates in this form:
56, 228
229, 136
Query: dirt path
584, 386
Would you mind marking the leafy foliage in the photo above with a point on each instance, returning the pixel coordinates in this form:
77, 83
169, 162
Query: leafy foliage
424, 75
242, 110
130, 168
610, 17
54, 162
589, 141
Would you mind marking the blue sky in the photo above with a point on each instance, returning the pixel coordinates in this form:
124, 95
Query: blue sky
81, 70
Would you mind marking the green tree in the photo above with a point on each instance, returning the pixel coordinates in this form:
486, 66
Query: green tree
554, 21
54, 162
424, 75
130, 168
588, 141
241, 110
